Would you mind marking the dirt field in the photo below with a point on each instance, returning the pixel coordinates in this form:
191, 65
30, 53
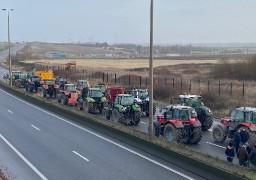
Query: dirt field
119, 63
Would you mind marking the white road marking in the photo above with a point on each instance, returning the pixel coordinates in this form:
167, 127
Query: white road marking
143, 123
80, 156
210, 130
103, 138
35, 127
9, 111
216, 145
23, 158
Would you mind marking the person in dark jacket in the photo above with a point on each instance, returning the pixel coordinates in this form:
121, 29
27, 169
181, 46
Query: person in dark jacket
253, 156
244, 136
237, 139
230, 152
243, 156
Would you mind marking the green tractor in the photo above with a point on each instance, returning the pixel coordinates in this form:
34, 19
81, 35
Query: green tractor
204, 114
20, 80
94, 101
123, 110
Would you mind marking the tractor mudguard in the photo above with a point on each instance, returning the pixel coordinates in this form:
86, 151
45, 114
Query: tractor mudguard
120, 108
103, 100
136, 107
90, 100
206, 110
176, 123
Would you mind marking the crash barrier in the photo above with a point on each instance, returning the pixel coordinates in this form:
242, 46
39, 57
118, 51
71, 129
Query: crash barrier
180, 155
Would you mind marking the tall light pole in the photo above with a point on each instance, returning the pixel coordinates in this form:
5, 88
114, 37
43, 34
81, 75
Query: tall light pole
150, 125
9, 45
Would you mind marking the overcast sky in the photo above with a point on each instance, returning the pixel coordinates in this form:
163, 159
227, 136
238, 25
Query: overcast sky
127, 21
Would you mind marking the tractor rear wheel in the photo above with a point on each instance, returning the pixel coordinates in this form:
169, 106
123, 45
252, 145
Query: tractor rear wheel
115, 116
136, 118
64, 100
207, 123
196, 135
171, 133
90, 107
219, 134
44, 93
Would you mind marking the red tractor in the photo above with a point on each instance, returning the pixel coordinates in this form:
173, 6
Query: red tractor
68, 95
178, 124
238, 118
50, 89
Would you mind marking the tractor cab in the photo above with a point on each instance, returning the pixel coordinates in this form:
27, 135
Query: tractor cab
101, 86
70, 88
194, 101
15, 74
140, 93
95, 93
124, 99
82, 84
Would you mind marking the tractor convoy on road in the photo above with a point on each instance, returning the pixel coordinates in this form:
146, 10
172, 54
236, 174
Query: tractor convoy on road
182, 122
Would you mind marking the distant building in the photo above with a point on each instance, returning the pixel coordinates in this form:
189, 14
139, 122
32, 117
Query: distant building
56, 55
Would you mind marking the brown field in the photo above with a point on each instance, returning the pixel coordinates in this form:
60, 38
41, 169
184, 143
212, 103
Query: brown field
118, 63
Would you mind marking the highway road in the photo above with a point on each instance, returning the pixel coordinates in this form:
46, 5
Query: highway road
54, 147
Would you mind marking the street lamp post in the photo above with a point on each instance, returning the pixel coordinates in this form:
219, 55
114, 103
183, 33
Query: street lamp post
9, 45
150, 126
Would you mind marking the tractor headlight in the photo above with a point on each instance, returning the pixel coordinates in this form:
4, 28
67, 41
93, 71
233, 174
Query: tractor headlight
209, 111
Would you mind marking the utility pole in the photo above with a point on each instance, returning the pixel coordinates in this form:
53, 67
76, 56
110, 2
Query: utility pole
9, 45
151, 116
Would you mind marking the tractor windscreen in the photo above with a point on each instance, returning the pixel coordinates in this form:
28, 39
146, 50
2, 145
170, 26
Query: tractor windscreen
143, 94
82, 84
71, 88
95, 94
62, 79
250, 117
35, 79
185, 114
49, 82
127, 100
22, 76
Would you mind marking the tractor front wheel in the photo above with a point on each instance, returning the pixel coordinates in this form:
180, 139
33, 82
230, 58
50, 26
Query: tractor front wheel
64, 100
207, 123
115, 116
219, 134
171, 133
136, 118
196, 135
90, 107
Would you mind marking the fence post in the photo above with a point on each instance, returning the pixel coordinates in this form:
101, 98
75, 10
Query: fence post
189, 89
231, 86
124, 80
129, 80
146, 81
199, 85
103, 77
165, 81
115, 78
140, 81
107, 77
219, 88
181, 85
172, 82
92, 75
243, 90
208, 84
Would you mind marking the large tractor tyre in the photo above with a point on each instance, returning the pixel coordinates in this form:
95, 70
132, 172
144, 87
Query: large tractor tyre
207, 122
156, 131
115, 116
44, 93
104, 114
171, 133
219, 134
136, 118
30, 89
196, 136
51, 93
26, 87
64, 100
252, 135
154, 109
90, 107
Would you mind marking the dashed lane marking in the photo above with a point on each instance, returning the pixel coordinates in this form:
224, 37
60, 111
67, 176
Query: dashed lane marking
35, 127
9, 111
143, 123
216, 145
80, 156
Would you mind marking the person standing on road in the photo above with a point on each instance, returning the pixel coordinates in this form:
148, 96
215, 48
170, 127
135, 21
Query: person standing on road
243, 156
237, 139
244, 136
230, 152
253, 156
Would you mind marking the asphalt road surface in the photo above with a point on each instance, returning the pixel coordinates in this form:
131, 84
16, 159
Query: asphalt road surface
53, 147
